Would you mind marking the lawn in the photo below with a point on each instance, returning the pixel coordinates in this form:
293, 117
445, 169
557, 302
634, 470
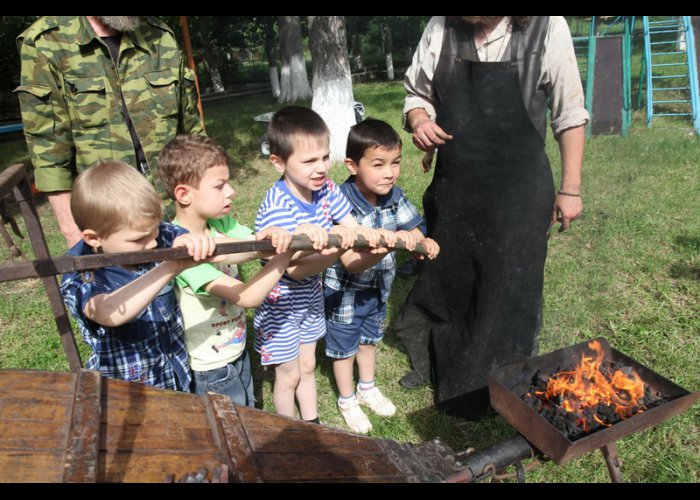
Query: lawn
628, 271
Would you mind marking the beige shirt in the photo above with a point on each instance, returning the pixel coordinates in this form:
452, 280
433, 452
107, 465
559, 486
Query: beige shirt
559, 77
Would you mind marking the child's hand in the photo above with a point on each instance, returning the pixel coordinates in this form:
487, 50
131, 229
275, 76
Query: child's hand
431, 246
281, 238
408, 238
317, 235
371, 235
200, 247
389, 237
347, 235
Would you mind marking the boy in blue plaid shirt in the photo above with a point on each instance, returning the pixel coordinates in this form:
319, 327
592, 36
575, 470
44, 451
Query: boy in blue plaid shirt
356, 303
128, 314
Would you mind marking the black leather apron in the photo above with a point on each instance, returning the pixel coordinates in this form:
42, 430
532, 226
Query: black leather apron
478, 306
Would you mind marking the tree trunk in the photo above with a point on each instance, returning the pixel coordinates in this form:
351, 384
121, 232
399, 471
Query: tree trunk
210, 56
332, 83
294, 83
271, 51
355, 43
388, 48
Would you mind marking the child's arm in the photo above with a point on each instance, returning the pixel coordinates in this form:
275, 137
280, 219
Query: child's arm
356, 261
359, 261
310, 264
280, 238
252, 293
121, 306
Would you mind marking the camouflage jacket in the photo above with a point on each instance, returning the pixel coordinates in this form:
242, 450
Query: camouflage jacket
70, 96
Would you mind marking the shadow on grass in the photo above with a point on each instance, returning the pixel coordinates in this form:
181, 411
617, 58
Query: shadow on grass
460, 434
682, 269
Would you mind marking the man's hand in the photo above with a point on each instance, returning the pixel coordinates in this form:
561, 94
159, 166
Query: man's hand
566, 210
428, 135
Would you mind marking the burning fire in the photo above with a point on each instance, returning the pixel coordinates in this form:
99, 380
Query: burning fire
587, 388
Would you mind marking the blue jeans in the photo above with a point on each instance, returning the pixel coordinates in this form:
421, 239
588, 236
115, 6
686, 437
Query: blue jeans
233, 380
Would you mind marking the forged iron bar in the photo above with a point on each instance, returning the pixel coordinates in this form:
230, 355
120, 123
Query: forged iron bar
52, 266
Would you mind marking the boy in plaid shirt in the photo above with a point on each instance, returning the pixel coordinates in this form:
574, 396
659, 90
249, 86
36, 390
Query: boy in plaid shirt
356, 303
128, 314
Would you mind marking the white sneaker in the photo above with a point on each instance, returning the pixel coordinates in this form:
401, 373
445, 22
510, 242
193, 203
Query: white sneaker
354, 417
377, 402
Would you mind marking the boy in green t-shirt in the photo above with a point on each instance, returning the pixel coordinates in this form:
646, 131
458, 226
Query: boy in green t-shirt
195, 172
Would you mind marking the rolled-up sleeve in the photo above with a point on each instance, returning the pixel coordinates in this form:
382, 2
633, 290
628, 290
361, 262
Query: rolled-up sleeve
419, 76
561, 77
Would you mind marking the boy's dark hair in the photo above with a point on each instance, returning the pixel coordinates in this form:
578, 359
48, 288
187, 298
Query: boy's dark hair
290, 123
370, 133
186, 158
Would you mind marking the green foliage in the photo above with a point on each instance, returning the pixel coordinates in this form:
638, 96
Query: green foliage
10, 28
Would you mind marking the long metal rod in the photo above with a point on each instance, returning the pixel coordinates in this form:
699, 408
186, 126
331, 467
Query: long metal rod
52, 266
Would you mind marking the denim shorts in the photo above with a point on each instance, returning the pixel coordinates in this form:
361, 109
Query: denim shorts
233, 380
366, 328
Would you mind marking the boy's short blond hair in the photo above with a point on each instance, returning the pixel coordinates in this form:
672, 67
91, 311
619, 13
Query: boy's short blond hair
113, 195
186, 158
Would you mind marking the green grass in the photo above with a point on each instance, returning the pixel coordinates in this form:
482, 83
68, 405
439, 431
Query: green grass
628, 271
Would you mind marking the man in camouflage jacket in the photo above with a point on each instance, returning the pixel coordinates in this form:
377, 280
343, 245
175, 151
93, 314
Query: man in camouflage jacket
72, 98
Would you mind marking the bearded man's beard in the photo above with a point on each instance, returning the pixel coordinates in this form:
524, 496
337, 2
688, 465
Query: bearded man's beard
121, 23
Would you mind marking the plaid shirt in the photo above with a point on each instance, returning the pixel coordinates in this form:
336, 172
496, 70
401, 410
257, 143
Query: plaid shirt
150, 348
394, 213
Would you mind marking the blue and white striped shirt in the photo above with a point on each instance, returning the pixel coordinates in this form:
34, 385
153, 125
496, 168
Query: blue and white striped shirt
292, 313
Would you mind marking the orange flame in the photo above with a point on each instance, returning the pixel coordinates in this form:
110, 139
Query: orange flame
587, 387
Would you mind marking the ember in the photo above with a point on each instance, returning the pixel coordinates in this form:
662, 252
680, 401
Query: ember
596, 393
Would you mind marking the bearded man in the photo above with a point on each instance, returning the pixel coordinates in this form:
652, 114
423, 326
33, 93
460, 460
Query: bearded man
478, 90
100, 88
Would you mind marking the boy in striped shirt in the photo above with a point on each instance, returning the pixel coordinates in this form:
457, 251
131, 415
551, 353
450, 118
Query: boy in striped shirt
291, 319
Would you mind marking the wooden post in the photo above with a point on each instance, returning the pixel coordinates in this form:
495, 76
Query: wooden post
187, 45
25, 200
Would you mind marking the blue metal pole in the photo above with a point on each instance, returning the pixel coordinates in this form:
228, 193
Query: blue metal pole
647, 58
693, 70
590, 73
